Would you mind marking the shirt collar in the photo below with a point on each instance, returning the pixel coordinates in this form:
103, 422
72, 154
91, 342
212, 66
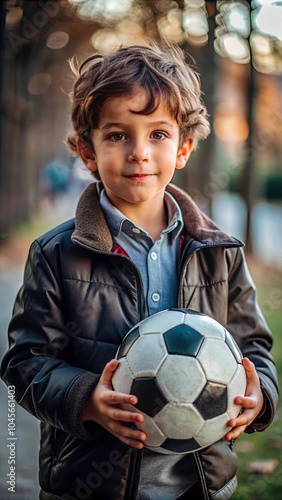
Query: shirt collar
118, 222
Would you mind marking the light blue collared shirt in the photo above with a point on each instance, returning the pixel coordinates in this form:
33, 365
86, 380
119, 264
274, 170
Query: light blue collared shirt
157, 261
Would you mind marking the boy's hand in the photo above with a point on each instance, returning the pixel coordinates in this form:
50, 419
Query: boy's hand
252, 403
102, 406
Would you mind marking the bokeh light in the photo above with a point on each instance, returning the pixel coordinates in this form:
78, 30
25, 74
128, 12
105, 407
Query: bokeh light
238, 19
170, 26
13, 16
39, 83
234, 47
194, 3
195, 22
57, 40
233, 30
268, 19
94, 9
229, 126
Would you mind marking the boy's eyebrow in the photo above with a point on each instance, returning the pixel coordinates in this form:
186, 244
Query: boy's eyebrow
157, 123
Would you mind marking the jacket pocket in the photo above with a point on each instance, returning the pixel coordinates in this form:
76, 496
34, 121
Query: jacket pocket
217, 467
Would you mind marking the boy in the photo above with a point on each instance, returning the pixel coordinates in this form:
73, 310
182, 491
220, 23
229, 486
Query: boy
138, 245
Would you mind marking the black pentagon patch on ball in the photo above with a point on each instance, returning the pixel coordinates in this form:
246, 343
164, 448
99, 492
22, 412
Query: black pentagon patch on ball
183, 340
181, 445
150, 398
212, 401
233, 347
127, 342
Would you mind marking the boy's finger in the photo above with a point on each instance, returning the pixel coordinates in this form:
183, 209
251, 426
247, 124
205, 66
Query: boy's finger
122, 431
235, 433
244, 418
126, 416
131, 442
248, 364
246, 402
115, 398
108, 371
249, 369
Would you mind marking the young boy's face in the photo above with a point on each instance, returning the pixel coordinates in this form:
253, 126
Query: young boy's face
135, 154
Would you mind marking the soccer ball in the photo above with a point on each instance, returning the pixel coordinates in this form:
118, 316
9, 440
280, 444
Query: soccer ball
185, 369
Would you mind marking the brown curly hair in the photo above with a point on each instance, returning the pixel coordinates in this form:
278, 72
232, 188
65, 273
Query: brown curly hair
160, 70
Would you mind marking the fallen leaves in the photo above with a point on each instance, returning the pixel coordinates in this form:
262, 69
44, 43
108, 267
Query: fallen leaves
262, 466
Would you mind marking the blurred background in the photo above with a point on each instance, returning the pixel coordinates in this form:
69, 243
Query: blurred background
235, 175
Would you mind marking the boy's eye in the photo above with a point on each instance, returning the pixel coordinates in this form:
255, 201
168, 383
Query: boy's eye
159, 134
117, 136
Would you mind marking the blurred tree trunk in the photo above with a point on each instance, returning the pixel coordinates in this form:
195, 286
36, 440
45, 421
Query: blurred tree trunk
248, 183
34, 123
2, 170
15, 190
199, 176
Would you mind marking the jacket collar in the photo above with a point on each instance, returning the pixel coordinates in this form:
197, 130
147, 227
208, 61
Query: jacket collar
91, 229
197, 224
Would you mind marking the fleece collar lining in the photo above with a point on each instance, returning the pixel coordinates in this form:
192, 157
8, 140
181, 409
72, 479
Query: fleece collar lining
91, 228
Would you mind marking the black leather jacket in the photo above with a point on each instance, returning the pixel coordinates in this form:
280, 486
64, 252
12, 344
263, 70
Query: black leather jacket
78, 300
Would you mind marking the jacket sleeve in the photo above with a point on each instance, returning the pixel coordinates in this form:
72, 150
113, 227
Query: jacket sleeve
46, 384
249, 328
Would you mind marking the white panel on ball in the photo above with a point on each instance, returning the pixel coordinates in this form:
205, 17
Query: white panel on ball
145, 361
219, 365
208, 327
179, 421
213, 430
161, 322
155, 437
181, 378
123, 377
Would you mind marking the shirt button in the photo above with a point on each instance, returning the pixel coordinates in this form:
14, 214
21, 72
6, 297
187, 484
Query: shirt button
155, 297
154, 255
136, 230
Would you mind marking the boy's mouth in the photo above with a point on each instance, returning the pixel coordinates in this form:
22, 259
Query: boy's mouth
138, 177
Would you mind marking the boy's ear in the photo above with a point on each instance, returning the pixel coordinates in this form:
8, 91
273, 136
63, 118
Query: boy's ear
86, 155
183, 154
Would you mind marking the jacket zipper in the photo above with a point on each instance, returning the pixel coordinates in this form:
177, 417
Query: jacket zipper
201, 475
134, 475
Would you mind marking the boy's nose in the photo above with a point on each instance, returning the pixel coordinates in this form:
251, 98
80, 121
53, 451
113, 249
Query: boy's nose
139, 155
